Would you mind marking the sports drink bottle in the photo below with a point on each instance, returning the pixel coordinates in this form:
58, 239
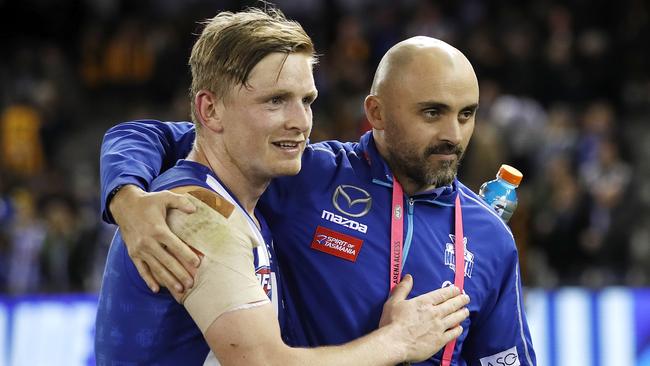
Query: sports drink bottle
501, 193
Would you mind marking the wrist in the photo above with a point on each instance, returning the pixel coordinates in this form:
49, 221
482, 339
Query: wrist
392, 342
118, 195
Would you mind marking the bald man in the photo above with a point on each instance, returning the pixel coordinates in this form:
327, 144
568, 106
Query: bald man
360, 215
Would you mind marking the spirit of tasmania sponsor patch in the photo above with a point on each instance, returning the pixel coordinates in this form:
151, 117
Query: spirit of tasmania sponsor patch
337, 244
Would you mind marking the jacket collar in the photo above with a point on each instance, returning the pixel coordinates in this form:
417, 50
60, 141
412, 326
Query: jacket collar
382, 174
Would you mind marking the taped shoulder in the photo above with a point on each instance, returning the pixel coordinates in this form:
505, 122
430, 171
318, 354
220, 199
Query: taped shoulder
226, 279
216, 227
210, 198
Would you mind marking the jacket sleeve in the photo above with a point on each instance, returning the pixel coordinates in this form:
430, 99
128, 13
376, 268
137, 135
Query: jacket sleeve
137, 152
500, 334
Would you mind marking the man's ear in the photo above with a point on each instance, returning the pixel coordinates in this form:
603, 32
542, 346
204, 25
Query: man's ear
209, 110
374, 112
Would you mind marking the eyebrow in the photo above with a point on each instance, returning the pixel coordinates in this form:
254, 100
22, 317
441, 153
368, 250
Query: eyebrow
313, 94
283, 93
274, 93
471, 107
445, 107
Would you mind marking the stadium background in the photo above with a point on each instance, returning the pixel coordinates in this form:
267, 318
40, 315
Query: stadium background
565, 97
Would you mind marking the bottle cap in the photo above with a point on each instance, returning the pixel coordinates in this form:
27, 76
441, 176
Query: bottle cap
510, 174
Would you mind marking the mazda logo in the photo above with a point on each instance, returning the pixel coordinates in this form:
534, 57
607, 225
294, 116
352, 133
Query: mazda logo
352, 201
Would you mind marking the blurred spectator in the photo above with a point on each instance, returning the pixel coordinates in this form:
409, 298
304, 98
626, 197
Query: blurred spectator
560, 76
20, 140
25, 235
605, 242
91, 68
61, 237
559, 137
129, 57
348, 77
597, 124
560, 217
521, 122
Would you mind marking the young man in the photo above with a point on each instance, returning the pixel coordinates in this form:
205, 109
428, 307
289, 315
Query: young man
252, 87
360, 213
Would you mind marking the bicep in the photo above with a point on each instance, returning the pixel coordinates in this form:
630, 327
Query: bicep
227, 291
234, 314
246, 337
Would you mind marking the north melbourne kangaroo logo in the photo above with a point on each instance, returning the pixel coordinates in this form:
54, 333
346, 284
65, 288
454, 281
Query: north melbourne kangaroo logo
450, 256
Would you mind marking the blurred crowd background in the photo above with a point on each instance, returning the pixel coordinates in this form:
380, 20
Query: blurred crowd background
565, 97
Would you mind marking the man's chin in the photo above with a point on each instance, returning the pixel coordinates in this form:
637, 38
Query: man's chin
446, 180
288, 169
443, 178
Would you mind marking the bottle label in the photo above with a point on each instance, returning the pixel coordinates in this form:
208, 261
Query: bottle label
500, 205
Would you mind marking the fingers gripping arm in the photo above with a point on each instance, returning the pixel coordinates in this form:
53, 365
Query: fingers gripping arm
160, 257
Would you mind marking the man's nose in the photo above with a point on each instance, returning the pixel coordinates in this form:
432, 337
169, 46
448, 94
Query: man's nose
299, 116
450, 131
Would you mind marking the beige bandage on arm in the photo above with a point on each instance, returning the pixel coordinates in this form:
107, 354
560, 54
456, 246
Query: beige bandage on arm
226, 278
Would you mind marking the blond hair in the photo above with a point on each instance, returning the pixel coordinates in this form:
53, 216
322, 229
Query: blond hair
231, 44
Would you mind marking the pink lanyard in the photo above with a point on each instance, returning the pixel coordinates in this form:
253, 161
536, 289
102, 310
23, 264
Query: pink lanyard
396, 234
396, 239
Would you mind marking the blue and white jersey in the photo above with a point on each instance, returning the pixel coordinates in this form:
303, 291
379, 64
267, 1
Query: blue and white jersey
331, 226
136, 326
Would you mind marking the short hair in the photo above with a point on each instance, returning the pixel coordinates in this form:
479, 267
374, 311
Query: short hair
231, 44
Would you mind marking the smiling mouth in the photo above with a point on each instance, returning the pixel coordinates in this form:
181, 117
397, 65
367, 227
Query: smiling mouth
287, 144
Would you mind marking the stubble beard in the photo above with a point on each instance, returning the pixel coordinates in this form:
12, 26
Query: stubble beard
419, 169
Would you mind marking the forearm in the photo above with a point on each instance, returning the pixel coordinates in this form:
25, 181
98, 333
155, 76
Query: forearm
376, 348
413, 330
252, 337
136, 152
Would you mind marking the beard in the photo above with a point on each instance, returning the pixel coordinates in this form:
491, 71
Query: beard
419, 168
